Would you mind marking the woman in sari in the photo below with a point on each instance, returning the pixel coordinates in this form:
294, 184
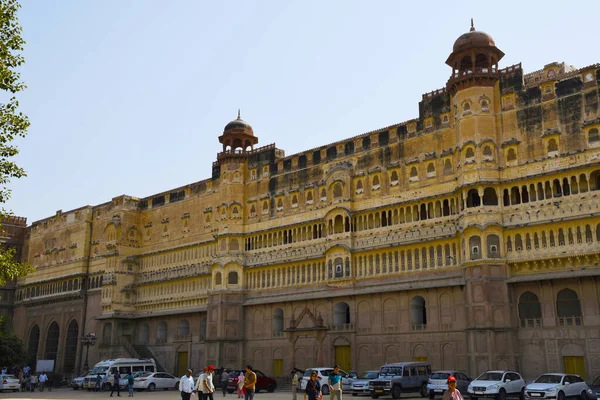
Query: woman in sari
240, 386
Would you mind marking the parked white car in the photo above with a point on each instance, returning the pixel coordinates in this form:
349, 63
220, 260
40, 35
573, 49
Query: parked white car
497, 384
9, 382
360, 385
557, 386
323, 374
155, 380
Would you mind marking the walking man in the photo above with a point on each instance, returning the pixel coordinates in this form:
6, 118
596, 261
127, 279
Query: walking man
249, 383
335, 383
208, 386
224, 381
33, 382
43, 380
186, 385
116, 383
294, 385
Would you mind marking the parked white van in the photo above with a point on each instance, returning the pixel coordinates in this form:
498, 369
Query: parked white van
108, 368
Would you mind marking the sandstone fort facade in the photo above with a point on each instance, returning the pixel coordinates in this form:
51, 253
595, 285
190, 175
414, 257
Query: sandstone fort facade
468, 237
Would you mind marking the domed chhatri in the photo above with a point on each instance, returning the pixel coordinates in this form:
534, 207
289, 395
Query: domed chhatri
238, 137
473, 39
238, 123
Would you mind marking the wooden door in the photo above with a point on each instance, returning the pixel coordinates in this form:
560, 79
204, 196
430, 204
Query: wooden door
277, 367
343, 357
182, 363
575, 365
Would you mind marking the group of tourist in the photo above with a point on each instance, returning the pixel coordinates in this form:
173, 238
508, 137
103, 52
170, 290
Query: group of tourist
313, 387
28, 380
205, 387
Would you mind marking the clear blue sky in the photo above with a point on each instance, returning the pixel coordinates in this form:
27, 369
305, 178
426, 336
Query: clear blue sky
129, 96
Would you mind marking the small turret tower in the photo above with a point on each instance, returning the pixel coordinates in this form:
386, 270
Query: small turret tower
238, 137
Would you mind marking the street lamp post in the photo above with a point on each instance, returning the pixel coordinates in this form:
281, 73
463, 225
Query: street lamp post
87, 341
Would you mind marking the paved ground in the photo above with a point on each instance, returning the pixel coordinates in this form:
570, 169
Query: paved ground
64, 393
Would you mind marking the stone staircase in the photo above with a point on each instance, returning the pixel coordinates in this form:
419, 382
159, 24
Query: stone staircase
144, 351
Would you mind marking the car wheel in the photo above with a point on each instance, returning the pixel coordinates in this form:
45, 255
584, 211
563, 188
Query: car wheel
374, 396
325, 390
473, 398
396, 392
177, 386
105, 387
583, 395
501, 395
354, 394
151, 387
230, 391
15, 390
561, 395
522, 394
431, 395
423, 391
271, 388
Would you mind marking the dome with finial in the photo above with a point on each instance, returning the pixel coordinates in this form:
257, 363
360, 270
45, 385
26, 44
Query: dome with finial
239, 123
473, 39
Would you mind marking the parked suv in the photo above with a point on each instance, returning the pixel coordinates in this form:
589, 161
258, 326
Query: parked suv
557, 386
402, 377
497, 384
263, 382
438, 382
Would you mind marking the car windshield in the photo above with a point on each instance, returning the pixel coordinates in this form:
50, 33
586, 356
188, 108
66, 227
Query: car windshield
98, 370
548, 379
490, 376
307, 373
10, 377
440, 375
143, 374
369, 375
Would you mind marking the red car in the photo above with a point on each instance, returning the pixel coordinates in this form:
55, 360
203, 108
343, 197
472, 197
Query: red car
263, 382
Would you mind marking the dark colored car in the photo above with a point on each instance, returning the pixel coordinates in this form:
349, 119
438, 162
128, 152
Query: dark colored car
263, 382
594, 391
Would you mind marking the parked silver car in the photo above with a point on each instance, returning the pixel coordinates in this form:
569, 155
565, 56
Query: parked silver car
438, 382
557, 386
361, 384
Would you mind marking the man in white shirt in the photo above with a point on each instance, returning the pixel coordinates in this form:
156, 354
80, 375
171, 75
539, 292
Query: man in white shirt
199, 384
186, 385
43, 379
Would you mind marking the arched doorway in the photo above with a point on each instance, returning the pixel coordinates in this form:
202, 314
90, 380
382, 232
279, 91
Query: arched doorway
52, 341
343, 353
33, 344
71, 346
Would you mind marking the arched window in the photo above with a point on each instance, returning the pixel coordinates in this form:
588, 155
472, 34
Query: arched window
323, 195
52, 341
232, 278
485, 105
487, 153
593, 136
279, 205
218, 278
183, 328
341, 314
144, 334
466, 108
447, 167
511, 155
490, 198
394, 178
71, 346
203, 328
309, 197
337, 191
107, 333
277, 321
376, 184
359, 187
530, 310
414, 174
493, 245
568, 308
552, 147
162, 332
469, 154
430, 170
473, 199
475, 247
338, 224
418, 313
33, 343
294, 201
